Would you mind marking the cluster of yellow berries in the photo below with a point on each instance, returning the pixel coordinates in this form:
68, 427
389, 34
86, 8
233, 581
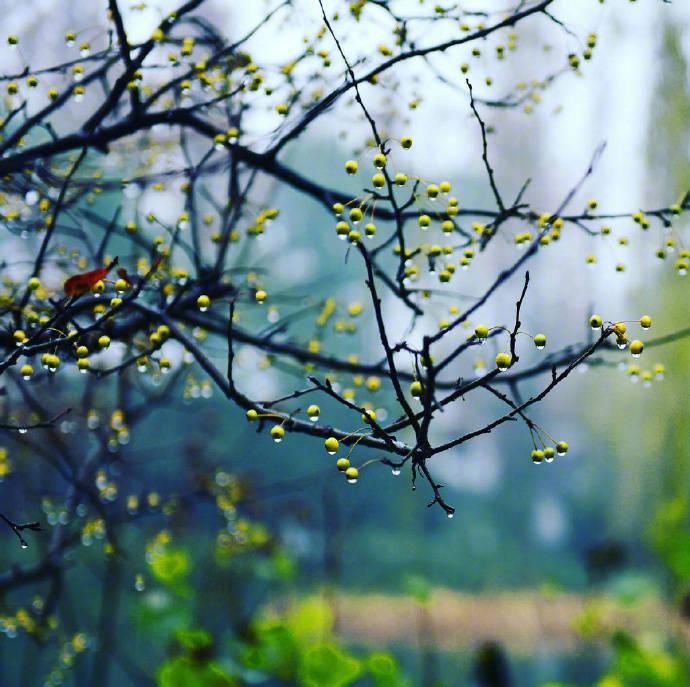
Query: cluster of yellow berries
636, 347
342, 464
331, 444
346, 229
620, 329
548, 453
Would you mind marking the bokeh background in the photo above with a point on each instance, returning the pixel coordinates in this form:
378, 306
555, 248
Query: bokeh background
549, 563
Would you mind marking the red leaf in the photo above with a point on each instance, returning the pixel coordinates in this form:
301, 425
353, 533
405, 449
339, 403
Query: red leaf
79, 284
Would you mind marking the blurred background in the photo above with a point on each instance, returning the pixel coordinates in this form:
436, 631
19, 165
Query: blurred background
571, 574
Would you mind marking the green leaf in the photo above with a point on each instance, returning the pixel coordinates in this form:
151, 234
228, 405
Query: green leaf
274, 651
183, 671
326, 665
311, 620
194, 641
384, 670
171, 566
636, 666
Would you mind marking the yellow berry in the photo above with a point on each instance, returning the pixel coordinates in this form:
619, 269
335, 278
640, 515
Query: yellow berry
481, 331
503, 361
416, 388
352, 474
636, 348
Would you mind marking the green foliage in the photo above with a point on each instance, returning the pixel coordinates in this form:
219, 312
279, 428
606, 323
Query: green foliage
384, 670
417, 587
193, 667
670, 536
183, 671
299, 648
325, 665
171, 566
635, 666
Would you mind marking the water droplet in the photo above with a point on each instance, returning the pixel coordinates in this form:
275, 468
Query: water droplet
24, 545
395, 471
277, 440
131, 190
561, 453
22, 430
541, 348
451, 515
202, 309
636, 355
331, 453
352, 481
549, 458
31, 197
